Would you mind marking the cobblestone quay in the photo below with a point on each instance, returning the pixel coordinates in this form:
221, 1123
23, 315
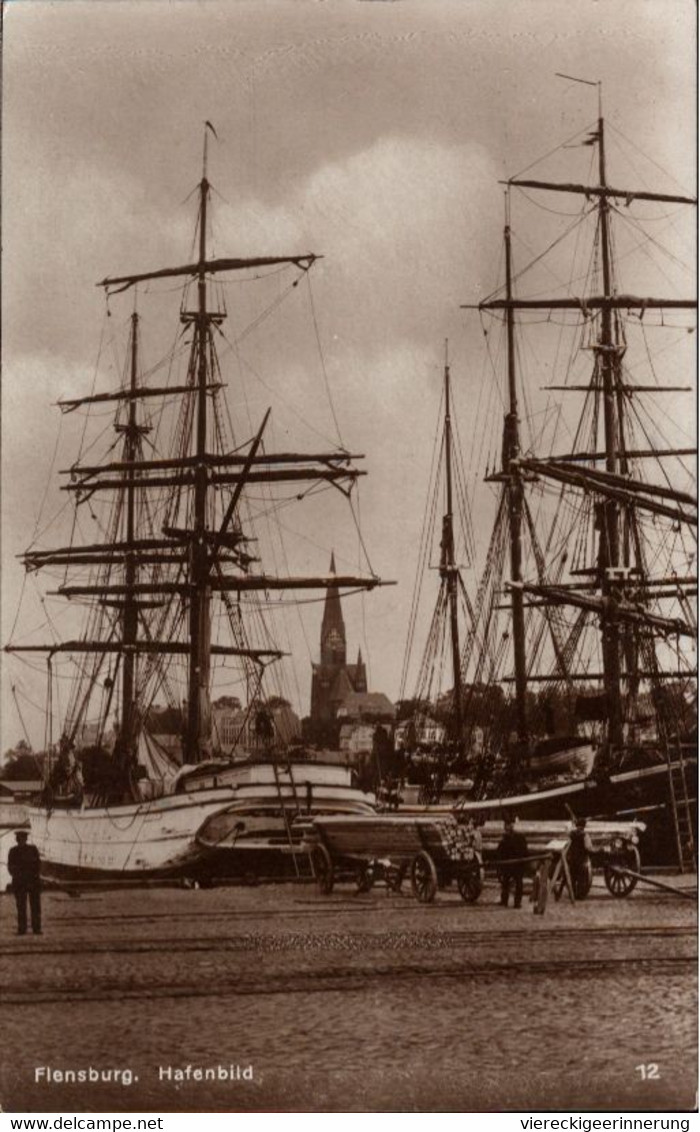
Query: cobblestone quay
274, 998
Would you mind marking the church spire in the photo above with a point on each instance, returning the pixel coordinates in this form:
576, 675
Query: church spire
333, 627
360, 673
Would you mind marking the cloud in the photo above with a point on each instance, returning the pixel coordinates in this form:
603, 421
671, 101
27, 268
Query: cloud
91, 225
390, 221
373, 134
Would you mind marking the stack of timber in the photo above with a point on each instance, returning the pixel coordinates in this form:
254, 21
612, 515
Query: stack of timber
395, 837
401, 836
540, 835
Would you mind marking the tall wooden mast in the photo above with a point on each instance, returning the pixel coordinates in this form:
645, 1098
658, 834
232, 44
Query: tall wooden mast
132, 450
514, 487
609, 355
198, 726
448, 567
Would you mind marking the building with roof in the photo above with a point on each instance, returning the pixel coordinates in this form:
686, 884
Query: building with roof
236, 728
420, 732
20, 790
360, 715
366, 707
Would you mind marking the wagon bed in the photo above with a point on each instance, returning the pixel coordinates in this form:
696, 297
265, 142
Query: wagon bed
435, 849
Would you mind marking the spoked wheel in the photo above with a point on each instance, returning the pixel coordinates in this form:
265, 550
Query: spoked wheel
583, 879
395, 877
322, 864
424, 879
364, 876
470, 882
620, 884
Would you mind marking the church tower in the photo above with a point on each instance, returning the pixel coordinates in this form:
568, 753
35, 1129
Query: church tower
333, 646
334, 679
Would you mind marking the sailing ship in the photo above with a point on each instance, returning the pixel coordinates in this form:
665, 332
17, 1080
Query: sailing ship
437, 720
172, 597
582, 622
446, 719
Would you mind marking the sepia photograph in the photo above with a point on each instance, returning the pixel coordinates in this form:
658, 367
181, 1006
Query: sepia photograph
348, 515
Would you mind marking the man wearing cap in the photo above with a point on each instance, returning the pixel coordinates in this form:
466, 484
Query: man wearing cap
511, 848
23, 864
580, 849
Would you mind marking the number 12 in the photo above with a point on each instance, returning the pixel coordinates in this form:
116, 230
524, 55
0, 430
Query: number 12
649, 1072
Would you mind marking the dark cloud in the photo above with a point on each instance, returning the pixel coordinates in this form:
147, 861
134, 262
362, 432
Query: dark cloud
372, 133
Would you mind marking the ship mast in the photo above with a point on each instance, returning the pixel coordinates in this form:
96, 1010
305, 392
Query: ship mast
132, 451
609, 354
198, 725
511, 452
448, 568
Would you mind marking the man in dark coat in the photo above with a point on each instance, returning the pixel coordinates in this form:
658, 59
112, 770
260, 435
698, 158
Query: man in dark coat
580, 849
23, 864
511, 848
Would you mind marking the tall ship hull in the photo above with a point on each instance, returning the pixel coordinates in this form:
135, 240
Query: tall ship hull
203, 829
644, 793
144, 840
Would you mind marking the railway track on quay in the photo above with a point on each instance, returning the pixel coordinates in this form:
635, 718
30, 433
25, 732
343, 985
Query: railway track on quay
264, 964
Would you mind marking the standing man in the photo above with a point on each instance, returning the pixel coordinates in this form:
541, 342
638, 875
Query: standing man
512, 847
23, 864
580, 849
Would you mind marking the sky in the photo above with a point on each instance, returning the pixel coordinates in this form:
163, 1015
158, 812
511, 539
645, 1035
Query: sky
371, 132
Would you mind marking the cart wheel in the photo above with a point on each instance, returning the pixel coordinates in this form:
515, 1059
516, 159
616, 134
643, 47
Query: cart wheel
365, 876
322, 865
424, 880
470, 882
619, 884
395, 876
583, 880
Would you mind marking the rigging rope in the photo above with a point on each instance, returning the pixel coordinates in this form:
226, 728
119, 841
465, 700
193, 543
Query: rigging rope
323, 361
424, 545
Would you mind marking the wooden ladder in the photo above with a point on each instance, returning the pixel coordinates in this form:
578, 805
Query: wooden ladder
285, 815
681, 810
293, 785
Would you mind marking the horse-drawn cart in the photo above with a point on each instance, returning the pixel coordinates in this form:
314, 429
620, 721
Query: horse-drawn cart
434, 850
